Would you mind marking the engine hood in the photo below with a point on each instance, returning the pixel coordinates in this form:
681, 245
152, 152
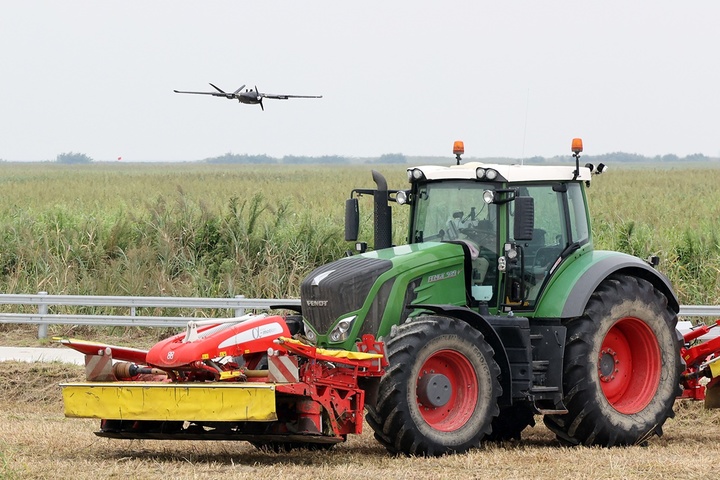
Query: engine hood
354, 283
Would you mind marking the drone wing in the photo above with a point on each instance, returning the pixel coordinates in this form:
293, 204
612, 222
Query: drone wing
285, 97
214, 94
219, 93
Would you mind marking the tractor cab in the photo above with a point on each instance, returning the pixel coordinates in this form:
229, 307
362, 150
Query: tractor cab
517, 223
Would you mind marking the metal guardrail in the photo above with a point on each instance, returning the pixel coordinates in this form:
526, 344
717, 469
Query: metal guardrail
699, 311
42, 301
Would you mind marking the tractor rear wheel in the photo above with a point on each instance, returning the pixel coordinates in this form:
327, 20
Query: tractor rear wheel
440, 393
622, 366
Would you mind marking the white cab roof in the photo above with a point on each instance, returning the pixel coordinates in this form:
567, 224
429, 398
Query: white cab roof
511, 173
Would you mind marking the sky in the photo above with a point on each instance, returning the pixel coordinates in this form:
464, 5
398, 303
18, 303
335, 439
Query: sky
517, 78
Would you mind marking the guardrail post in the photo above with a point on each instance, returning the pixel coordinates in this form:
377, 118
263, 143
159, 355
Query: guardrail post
239, 312
42, 310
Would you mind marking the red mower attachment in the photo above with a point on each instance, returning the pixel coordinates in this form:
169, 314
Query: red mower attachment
239, 379
703, 362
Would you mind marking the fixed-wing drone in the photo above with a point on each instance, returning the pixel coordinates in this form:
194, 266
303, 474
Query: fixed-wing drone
251, 97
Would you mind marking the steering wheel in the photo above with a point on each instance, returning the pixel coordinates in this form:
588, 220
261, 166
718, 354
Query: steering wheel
482, 237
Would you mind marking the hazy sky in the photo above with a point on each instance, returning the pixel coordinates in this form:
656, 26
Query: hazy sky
512, 78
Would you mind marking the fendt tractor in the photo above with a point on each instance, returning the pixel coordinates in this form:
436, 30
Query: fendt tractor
496, 310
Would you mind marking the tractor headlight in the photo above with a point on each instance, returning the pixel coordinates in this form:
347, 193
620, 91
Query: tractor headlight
310, 333
415, 174
488, 196
341, 332
401, 197
482, 173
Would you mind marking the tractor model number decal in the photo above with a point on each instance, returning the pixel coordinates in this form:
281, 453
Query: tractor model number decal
443, 276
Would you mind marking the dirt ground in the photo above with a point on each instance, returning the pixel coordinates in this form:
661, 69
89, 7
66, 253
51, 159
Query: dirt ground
37, 441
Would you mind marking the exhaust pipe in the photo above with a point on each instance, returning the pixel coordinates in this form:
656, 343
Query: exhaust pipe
383, 218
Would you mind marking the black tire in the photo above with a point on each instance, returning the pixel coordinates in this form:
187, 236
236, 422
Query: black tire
622, 366
511, 422
420, 410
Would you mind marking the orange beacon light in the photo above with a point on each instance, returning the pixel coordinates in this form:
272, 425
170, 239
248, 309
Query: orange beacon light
458, 147
577, 146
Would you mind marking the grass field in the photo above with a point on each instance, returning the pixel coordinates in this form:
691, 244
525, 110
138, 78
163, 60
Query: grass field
673, 213
223, 230
179, 229
36, 441
190, 229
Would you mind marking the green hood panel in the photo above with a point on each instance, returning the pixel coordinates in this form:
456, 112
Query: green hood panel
424, 273
406, 256
420, 273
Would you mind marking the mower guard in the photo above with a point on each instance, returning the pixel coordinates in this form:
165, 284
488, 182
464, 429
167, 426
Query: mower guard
170, 401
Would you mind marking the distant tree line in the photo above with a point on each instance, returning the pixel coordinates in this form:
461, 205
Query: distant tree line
622, 157
301, 160
72, 158
399, 158
392, 158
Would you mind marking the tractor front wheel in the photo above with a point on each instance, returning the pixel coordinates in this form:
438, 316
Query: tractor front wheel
440, 393
622, 366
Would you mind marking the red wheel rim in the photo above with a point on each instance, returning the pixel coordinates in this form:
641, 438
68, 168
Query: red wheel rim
629, 365
463, 395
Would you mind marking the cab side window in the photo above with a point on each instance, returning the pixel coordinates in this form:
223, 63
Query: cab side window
579, 227
550, 237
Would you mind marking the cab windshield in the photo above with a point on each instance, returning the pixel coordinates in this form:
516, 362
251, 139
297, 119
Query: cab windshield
455, 211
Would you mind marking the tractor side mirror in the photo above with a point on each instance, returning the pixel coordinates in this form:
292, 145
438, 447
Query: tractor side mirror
352, 219
524, 219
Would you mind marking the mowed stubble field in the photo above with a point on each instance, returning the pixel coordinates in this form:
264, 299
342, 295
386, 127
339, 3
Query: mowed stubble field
36, 441
209, 230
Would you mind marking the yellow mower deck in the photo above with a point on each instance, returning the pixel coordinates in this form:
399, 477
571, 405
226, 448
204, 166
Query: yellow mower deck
166, 401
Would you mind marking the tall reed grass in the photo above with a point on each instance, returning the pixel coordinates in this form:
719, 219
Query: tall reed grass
673, 213
225, 230
165, 230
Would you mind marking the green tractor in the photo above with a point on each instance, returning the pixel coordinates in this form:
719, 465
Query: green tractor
499, 308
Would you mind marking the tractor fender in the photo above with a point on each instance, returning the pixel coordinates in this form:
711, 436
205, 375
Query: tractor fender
478, 322
607, 264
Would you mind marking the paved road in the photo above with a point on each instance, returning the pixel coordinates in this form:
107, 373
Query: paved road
30, 354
